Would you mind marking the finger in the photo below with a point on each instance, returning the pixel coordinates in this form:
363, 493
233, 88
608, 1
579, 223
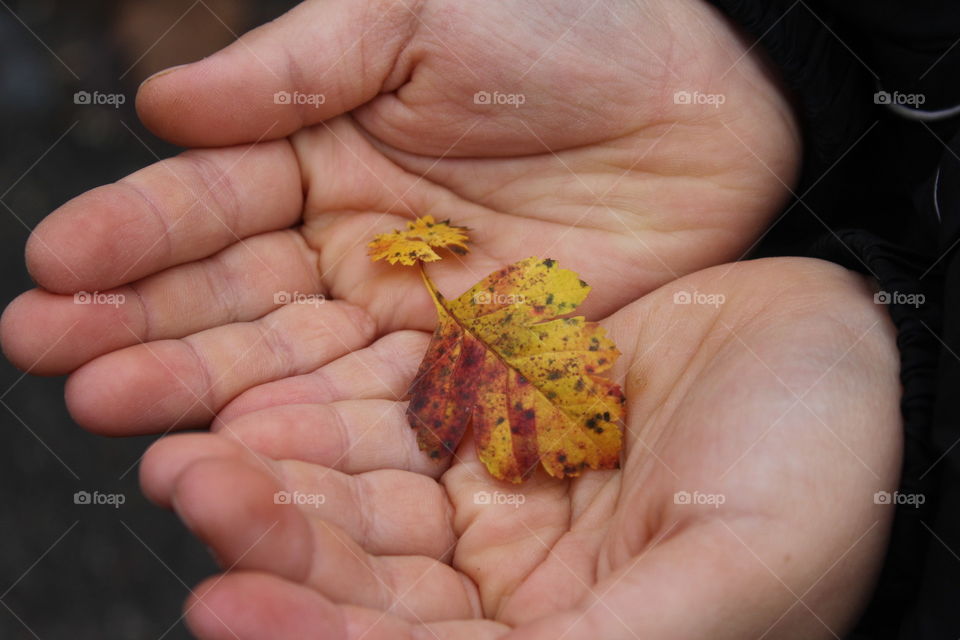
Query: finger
386, 512
337, 55
175, 211
260, 606
352, 436
168, 457
233, 509
182, 383
54, 334
382, 370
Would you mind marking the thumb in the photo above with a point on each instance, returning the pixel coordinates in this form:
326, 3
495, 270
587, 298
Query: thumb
321, 59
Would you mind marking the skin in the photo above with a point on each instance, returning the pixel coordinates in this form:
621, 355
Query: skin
600, 169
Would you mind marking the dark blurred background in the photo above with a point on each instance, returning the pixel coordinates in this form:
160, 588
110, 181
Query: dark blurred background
85, 570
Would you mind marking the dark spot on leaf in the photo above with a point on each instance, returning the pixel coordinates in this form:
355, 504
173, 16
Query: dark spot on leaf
548, 263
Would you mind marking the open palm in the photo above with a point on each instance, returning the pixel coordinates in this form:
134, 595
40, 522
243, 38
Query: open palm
552, 130
599, 169
759, 430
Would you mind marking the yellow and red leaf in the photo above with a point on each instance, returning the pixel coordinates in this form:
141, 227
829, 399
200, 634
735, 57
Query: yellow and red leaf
503, 361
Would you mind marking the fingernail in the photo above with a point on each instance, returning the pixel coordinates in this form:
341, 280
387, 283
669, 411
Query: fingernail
164, 72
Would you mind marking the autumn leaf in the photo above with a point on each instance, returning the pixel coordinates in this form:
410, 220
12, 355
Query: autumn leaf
502, 361
418, 242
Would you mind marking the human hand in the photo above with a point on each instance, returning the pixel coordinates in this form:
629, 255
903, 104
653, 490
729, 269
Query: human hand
774, 411
599, 168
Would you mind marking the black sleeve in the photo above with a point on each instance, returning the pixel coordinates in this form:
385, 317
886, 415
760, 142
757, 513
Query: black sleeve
876, 85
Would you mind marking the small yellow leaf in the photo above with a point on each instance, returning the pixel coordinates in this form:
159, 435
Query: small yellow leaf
418, 242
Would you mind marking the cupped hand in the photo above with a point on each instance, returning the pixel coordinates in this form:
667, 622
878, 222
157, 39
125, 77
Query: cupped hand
762, 418
633, 142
